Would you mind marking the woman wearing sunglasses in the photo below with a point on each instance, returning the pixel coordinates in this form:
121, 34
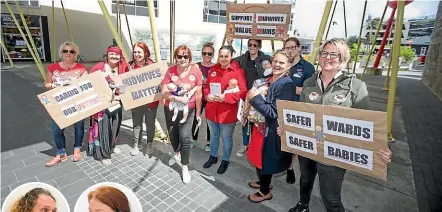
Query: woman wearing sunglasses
330, 86
207, 55
182, 75
252, 64
60, 74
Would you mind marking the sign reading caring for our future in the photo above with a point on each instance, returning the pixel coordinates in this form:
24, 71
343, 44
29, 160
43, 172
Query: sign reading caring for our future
344, 137
83, 98
259, 21
143, 85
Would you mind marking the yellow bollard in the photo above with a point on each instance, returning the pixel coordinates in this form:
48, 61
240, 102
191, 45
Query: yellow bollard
20, 12
66, 19
5, 50
360, 39
395, 66
320, 34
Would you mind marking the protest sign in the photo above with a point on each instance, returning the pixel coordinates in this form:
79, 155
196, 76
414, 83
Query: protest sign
143, 85
258, 21
338, 136
83, 98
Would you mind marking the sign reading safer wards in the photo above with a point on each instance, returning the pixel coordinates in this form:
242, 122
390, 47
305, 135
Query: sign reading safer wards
259, 21
343, 137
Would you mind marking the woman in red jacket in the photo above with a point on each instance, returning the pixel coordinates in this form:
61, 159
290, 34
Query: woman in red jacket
222, 97
106, 124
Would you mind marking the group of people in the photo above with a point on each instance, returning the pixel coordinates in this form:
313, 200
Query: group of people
255, 78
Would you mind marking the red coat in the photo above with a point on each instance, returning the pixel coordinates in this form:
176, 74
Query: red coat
225, 112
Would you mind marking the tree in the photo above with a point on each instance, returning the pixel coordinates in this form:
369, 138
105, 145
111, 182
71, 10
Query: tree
352, 40
407, 53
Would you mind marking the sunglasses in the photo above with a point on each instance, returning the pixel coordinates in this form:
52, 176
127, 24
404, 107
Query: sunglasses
207, 53
70, 51
182, 56
253, 45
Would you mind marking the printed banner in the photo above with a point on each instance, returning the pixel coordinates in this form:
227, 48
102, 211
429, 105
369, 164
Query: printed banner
143, 85
259, 21
344, 137
83, 98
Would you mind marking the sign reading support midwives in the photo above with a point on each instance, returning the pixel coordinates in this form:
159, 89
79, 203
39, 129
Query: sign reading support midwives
259, 21
143, 85
344, 137
83, 98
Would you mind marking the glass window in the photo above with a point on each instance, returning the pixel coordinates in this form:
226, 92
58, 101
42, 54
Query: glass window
222, 19
141, 11
223, 8
135, 7
212, 18
214, 7
141, 3
204, 17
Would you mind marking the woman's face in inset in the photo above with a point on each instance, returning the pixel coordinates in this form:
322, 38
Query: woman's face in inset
207, 54
280, 64
44, 203
96, 206
224, 57
182, 58
113, 58
138, 54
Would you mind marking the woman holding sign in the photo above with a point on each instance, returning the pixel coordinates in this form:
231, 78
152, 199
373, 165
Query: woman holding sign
141, 58
330, 86
226, 86
60, 74
265, 148
105, 128
181, 87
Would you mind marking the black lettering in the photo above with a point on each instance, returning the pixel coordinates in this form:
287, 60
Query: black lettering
69, 111
338, 153
349, 129
57, 98
357, 158
287, 117
134, 80
291, 141
331, 151
364, 158
345, 154
341, 128
310, 145
357, 130
331, 125
366, 133
140, 78
135, 95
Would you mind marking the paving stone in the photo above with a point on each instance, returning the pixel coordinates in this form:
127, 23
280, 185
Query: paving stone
77, 187
18, 157
8, 179
12, 166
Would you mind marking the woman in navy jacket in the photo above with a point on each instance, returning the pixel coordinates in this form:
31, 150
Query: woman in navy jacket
273, 159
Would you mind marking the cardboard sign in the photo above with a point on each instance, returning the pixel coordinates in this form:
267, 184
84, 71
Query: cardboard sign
338, 136
259, 21
143, 85
83, 98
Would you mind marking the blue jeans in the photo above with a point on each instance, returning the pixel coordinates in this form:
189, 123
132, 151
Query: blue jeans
226, 131
246, 132
60, 139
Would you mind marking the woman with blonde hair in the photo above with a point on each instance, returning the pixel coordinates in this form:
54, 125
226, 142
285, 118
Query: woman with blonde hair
108, 199
60, 74
37, 199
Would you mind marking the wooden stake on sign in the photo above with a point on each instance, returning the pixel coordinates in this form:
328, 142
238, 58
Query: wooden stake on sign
273, 43
225, 34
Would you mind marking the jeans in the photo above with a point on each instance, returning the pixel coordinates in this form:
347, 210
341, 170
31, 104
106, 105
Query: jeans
180, 134
330, 183
60, 139
226, 132
149, 115
246, 132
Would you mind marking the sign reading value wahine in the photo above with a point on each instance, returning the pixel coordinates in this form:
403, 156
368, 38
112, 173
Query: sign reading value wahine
344, 137
143, 85
83, 98
259, 21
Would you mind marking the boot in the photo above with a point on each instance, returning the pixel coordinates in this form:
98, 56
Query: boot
223, 167
212, 160
300, 208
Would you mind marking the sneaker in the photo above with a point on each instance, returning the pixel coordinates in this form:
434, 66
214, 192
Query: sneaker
117, 150
175, 159
150, 149
207, 148
194, 144
106, 162
134, 151
186, 175
300, 208
242, 151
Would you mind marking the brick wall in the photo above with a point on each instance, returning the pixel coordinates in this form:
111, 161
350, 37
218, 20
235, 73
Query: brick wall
432, 76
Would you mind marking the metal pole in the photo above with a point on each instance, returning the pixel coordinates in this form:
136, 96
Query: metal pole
320, 34
384, 39
153, 29
331, 20
374, 43
20, 12
171, 47
37, 62
53, 36
271, 41
387, 78
395, 66
360, 39
118, 17
5, 50
127, 22
66, 19
112, 28
345, 19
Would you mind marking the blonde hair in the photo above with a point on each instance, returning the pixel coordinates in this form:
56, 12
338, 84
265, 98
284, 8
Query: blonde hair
72, 45
343, 49
284, 53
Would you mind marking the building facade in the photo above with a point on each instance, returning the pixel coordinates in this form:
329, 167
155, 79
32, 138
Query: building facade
195, 23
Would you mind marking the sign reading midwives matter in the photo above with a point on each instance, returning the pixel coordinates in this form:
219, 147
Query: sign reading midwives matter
143, 85
259, 21
83, 98
344, 137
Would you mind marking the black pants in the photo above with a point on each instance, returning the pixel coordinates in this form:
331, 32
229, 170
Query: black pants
330, 183
180, 134
195, 124
264, 181
149, 115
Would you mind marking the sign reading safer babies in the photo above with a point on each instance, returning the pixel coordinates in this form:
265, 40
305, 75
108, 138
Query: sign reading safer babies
259, 21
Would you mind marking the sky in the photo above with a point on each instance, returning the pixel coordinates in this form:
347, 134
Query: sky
308, 14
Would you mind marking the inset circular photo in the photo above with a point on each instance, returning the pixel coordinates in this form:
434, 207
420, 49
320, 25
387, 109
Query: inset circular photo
108, 197
35, 196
